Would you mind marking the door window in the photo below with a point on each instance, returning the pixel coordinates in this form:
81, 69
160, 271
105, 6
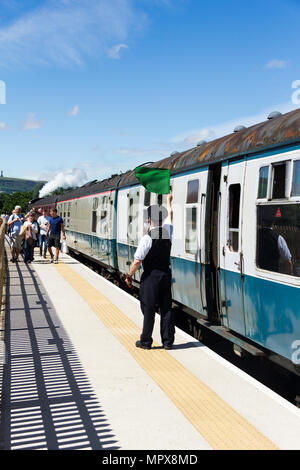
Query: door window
279, 181
234, 217
263, 182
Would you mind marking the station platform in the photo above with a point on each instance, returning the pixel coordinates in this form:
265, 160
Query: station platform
74, 379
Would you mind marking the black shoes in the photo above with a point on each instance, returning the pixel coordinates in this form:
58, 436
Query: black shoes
139, 344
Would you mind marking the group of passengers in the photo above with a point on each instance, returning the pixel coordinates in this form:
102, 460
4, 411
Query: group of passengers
36, 228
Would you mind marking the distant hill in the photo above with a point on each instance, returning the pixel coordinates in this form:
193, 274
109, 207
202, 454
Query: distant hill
12, 185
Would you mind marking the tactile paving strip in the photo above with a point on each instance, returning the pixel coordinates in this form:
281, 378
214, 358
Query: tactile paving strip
221, 426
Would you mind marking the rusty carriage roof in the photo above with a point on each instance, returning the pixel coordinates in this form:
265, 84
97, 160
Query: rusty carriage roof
281, 130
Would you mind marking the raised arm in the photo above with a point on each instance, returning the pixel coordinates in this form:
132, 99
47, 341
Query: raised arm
169, 219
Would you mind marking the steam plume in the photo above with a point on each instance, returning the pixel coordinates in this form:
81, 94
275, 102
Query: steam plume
64, 179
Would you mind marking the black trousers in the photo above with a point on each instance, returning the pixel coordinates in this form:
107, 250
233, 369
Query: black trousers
155, 290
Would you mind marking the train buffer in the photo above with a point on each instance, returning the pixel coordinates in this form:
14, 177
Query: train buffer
73, 378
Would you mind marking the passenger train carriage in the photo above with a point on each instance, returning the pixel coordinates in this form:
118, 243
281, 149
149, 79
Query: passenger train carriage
236, 203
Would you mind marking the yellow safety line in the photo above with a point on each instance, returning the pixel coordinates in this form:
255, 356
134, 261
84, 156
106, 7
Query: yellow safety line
221, 426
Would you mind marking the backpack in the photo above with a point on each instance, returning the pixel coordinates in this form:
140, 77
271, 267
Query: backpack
28, 236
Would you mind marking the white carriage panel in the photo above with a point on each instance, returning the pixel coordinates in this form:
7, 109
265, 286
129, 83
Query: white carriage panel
178, 192
122, 219
249, 216
84, 215
114, 216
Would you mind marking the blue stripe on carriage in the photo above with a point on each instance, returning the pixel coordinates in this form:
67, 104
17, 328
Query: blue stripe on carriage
271, 312
102, 249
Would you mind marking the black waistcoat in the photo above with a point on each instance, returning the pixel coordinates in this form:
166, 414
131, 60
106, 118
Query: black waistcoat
158, 256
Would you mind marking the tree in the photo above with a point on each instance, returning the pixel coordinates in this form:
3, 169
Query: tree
20, 198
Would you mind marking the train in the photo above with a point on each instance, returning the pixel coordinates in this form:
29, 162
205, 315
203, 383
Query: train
235, 255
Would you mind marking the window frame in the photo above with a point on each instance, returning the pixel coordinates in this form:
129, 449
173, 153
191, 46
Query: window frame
266, 273
192, 205
187, 191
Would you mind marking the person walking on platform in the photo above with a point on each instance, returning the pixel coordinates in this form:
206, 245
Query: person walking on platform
43, 224
14, 225
30, 228
54, 228
153, 252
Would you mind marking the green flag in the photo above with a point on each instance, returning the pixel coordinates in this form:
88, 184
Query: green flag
155, 180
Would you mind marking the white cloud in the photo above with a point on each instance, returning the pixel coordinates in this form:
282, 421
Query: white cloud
66, 32
74, 111
3, 126
31, 123
114, 52
192, 137
276, 64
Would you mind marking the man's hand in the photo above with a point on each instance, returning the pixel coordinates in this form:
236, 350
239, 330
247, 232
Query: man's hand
64, 236
128, 281
169, 198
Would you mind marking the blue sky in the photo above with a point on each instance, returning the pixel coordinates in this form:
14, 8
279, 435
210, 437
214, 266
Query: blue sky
104, 85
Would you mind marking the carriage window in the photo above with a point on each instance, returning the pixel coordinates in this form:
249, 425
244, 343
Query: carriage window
191, 230
279, 178
234, 216
94, 221
263, 182
192, 192
278, 235
95, 203
103, 222
147, 198
130, 216
133, 217
296, 179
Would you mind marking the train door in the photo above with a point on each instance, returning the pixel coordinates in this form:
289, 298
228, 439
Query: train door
133, 225
188, 255
75, 224
231, 248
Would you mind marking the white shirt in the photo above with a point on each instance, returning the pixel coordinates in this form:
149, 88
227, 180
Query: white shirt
34, 228
42, 221
146, 243
284, 251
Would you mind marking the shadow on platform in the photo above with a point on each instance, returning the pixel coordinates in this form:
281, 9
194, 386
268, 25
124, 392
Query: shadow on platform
48, 402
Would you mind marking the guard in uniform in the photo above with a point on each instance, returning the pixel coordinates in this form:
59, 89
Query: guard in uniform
153, 252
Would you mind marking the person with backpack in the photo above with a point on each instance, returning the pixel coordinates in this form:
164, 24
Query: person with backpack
30, 230
14, 225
